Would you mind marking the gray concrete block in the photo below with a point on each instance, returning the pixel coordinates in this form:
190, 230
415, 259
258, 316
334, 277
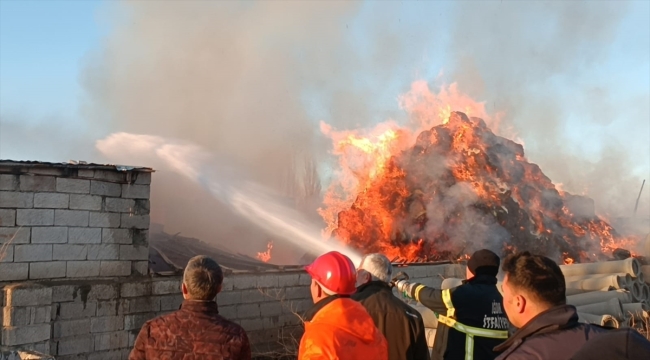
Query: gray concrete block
119, 205
20, 335
28, 294
256, 295
115, 268
69, 252
131, 252
18, 200
143, 304
142, 207
111, 340
135, 191
63, 293
229, 312
86, 173
50, 235
267, 281
47, 270
171, 302
85, 202
299, 292
15, 235
252, 324
14, 271
164, 287
27, 315
111, 175
271, 309
135, 321
77, 310
106, 355
34, 217
129, 221
7, 217
140, 268
8, 182
79, 344
135, 289
117, 236
7, 253
140, 237
37, 183
65, 328
105, 188
71, 217
105, 220
103, 291
29, 253
305, 279
84, 235
73, 186
243, 282
248, 311
288, 279
142, 178
77, 269
51, 200
106, 323
104, 252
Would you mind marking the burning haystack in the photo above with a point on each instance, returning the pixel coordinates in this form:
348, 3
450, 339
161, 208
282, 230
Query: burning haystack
461, 187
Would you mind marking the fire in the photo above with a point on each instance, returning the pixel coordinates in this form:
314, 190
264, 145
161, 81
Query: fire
266, 255
445, 184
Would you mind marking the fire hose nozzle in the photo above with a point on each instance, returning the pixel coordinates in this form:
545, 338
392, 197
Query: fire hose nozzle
400, 276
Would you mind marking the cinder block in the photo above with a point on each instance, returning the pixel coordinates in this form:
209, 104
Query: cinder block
305, 279
37, 217
140, 237
117, 236
69, 252
71, 217
14, 271
134, 221
104, 252
51, 200
74, 186
107, 355
164, 287
109, 175
142, 178
105, 220
135, 191
106, 323
27, 294
17, 200
140, 268
50, 235
245, 282
119, 205
105, 188
142, 207
112, 308
299, 292
8, 182
115, 268
267, 281
77, 310
104, 291
15, 235
65, 328
63, 293
86, 173
82, 269
143, 304
229, 312
42, 347
252, 324
20, 335
85, 202
111, 340
84, 236
171, 302
37, 183
47, 270
26, 315
256, 295
270, 309
131, 252
135, 289
135, 321
7, 253
7, 217
247, 311
288, 279
28, 253
79, 344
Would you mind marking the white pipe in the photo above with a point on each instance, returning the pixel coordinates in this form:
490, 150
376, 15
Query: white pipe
597, 282
598, 296
603, 320
630, 266
637, 292
610, 307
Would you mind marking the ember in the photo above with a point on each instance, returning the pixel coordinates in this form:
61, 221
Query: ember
459, 187
266, 255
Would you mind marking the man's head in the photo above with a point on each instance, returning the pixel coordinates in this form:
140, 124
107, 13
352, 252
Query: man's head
374, 267
532, 284
483, 262
202, 279
331, 273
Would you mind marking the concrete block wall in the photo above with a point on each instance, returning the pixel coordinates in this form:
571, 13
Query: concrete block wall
72, 221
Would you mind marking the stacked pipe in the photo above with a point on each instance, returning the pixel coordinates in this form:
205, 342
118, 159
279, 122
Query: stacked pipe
609, 293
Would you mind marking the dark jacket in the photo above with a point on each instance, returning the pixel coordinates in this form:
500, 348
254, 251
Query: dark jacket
620, 344
401, 324
196, 331
553, 334
477, 303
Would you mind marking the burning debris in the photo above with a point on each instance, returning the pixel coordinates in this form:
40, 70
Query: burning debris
266, 255
460, 187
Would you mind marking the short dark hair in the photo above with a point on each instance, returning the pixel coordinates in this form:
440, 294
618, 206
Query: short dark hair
202, 278
538, 275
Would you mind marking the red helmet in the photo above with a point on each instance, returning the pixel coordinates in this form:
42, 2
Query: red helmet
335, 272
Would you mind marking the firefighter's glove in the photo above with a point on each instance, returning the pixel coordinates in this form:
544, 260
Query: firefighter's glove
403, 287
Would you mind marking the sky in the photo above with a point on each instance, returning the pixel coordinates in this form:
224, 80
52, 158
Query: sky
575, 72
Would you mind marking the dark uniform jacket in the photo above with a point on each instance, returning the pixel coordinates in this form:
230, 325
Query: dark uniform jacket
553, 334
478, 304
619, 344
196, 331
401, 324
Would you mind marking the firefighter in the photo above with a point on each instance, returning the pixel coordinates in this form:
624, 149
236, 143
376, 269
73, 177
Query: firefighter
471, 320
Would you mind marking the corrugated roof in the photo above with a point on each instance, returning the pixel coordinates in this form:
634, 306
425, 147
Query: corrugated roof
76, 164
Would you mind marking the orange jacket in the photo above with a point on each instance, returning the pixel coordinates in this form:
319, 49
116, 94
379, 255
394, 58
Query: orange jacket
342, 330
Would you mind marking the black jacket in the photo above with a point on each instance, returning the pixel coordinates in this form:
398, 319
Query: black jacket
620, 344
553, 334
401, 324
477, 303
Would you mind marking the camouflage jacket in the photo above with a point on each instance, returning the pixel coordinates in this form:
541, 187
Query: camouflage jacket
196, 331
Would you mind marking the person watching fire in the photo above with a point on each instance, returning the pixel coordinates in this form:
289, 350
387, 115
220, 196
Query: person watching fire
402, 325
471, 320
196, 330
337, 327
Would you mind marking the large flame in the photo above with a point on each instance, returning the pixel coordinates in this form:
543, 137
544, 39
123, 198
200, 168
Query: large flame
266, 255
